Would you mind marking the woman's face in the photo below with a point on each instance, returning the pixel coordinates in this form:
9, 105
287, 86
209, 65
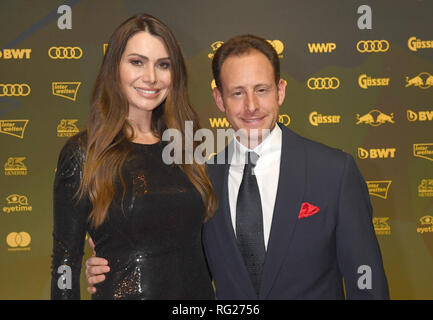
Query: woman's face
145, 72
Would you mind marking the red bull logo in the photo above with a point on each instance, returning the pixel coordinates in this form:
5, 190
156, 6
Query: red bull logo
424, 81
375, 118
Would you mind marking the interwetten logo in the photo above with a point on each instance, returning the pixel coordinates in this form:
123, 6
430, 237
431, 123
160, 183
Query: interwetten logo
14, 128
375, 118
379, 188
364, 46
15, 166
426, 225
67, 90
423, 150
14, 89
414, 44
65, 53
419, 115
18, 241
382, 153
16, 54
425, 188
381, 227
424, 81
327, 47
365, 81
67, 128
17, 203
277, 44
325, 83
317, 118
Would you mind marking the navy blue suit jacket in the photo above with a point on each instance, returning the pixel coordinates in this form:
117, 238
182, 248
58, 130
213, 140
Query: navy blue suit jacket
306, 258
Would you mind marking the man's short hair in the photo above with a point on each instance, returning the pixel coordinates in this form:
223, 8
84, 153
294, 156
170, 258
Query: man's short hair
240, 45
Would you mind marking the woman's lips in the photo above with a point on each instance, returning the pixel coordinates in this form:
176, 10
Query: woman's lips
148, 93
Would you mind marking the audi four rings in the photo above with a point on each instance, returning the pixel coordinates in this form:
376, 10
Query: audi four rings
14, 90
65, 52
372, 46
323, 83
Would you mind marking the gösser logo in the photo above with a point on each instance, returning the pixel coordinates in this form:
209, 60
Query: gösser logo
414, 44
372, 46
317, 118
323, 83
65, 52
365, 81
14, 90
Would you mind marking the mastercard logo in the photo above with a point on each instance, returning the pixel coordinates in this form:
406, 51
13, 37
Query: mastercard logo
18, 239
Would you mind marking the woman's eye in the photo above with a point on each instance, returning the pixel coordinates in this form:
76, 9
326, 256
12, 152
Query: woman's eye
164, 65
136, 62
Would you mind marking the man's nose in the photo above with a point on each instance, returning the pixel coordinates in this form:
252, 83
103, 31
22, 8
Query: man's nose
251, 103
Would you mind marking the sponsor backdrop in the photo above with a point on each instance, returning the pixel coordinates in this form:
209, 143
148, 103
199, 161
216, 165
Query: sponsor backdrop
359, 77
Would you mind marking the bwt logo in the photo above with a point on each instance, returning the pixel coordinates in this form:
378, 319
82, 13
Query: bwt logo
14, 90
15, 54
327, 83
364, 46
322, 47
382, 153
65, 53
419, 115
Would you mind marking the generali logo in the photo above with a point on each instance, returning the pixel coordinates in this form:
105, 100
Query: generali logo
379, 188
67, 128
15, 166
67, 90
376, 153
425, 188
14, 128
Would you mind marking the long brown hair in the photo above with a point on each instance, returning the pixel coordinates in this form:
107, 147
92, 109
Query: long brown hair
109, 133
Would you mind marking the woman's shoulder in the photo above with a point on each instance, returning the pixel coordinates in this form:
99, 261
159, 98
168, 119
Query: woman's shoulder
74, 149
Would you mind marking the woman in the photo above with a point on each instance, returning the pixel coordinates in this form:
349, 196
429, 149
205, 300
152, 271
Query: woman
144, 216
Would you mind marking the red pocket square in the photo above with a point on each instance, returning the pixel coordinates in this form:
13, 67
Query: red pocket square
307, 209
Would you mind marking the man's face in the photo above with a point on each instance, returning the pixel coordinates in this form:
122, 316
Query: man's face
249, 96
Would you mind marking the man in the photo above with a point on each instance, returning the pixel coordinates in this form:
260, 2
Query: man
294, 216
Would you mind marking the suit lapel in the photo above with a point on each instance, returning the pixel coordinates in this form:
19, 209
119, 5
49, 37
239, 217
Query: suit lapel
290, 192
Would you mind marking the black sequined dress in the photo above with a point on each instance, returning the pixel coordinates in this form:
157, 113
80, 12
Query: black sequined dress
153, 246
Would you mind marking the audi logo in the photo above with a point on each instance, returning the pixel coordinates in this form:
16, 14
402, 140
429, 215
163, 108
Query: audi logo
372, 46
323, 83
14, 90
65, 52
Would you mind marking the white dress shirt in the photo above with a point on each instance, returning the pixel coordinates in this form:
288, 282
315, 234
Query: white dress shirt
267, 172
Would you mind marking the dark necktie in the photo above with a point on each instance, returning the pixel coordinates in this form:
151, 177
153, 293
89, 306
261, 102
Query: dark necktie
249, 223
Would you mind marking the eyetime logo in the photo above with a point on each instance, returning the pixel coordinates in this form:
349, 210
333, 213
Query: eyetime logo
67, 90
14, 89
65, 53
414, 44
425, 188
424, 81
327, 47
18, 241
379, 188
365, 81
326, 83
413, 116
425, 225
277, 44
317, 118
423, 150
17, 203
14, 128
369, 46
15, 54
382, 153
375, 118
67, 128
15, 166
381, 226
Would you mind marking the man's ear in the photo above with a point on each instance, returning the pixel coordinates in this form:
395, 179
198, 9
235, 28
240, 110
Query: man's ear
281, 91
218, 99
